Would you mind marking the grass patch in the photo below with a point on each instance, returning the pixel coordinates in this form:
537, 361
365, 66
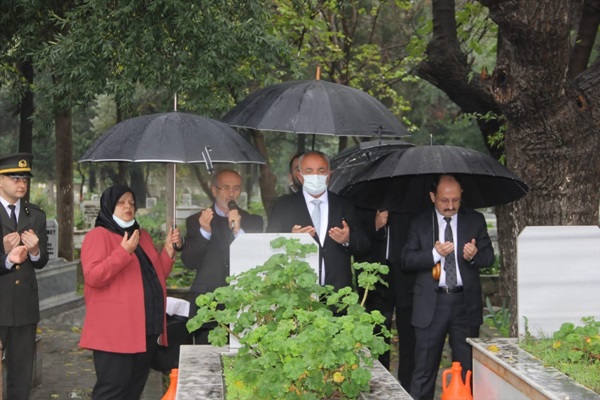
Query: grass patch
573, 350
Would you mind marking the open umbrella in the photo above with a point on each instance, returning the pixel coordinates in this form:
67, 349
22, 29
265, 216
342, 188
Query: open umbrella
350, 162
173, 137
401, 180
315, 107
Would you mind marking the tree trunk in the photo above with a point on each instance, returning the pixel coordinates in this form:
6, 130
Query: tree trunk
64, 173
267, 179
138, 185
26, 109
552, 139
446, 67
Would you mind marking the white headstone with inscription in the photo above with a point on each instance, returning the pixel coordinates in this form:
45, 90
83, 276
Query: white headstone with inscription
52, 232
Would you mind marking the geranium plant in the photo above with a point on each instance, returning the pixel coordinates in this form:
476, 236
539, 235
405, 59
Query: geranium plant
298, 339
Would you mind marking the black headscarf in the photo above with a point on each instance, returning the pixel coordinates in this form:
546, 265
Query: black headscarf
153, 293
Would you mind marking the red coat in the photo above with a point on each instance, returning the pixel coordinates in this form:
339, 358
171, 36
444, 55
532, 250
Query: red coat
114, 293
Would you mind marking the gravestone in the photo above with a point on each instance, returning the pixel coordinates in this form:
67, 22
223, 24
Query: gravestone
253, 249
150, 202
52, 232
90, 209
558, 277
186, 200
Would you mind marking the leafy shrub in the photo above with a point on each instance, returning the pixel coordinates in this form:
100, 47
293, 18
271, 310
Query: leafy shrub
299, 340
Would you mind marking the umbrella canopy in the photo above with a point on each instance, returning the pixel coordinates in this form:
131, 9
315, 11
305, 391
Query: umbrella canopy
350, 162
315, 107
401, 180
173, 137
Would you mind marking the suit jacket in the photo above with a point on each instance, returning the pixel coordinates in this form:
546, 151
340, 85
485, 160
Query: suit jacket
19, 300
114, 292
401, 283
417, 257
210, 258
292, 210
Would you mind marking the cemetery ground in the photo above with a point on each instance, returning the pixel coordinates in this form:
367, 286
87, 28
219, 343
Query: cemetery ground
67, 371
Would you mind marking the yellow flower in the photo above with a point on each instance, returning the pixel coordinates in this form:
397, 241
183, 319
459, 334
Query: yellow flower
556, 344
338, 377
493, 348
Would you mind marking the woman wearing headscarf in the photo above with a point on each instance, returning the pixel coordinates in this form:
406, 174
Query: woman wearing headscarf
125, 296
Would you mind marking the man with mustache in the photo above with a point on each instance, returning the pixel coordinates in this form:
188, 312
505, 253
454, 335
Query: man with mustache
457, 237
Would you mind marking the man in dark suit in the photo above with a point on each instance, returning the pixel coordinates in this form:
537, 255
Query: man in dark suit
329, 218
23, 224
387, 232
456, 237
209, 234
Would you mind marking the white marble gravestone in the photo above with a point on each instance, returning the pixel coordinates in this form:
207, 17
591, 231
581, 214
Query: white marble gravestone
52, 233
558, 277
253, 249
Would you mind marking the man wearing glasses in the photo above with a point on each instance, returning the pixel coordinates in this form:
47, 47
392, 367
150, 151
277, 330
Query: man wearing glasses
209, 234
448, 304
23, 224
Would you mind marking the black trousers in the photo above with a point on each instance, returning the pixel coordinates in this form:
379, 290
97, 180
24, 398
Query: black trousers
450, 319
122, 376
19, 352
406, 345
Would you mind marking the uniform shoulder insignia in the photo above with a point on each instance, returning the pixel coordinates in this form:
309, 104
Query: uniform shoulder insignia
32, 206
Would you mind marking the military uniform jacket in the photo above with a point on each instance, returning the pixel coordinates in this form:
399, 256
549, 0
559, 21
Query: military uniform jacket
19, 300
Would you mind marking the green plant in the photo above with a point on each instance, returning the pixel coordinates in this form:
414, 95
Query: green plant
499, 319
180, 277
493, 269
573, 350
298, 339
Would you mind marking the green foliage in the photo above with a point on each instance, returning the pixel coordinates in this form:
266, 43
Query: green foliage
298, 339
493, 269
573, 350
180, 277
499, 319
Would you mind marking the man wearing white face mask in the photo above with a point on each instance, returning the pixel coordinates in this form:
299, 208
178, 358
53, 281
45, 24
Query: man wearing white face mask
330, 219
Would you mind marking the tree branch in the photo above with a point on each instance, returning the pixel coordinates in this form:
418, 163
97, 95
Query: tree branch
446, 67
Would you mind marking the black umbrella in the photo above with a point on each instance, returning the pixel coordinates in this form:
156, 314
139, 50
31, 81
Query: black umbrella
350, 162
315, 107
173, 138
401, 180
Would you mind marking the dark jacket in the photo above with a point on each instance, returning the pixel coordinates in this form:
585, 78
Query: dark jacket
291, 210
401, 283
210, 258
19, 299
417, 257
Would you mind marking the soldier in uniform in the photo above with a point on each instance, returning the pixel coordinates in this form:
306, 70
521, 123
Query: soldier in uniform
23, 224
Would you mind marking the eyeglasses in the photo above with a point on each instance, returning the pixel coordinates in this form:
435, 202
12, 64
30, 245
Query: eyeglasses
16, 179
230, 189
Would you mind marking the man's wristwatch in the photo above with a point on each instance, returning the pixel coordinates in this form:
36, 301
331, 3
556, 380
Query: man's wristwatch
346, 244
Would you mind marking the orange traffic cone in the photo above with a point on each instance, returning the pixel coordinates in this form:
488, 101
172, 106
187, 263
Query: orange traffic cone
457, 389
172, 391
